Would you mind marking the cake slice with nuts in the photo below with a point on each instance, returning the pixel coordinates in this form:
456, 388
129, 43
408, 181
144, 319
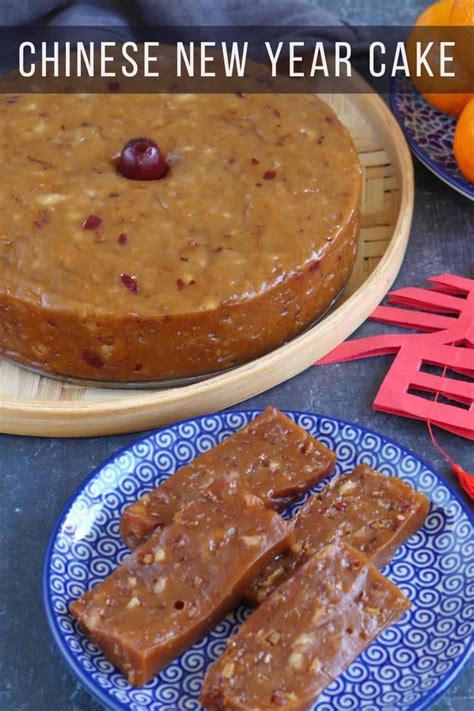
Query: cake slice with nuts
372, 512
275, 458
304, 635
176, 586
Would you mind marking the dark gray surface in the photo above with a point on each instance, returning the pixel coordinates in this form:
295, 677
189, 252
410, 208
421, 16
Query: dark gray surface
38, 475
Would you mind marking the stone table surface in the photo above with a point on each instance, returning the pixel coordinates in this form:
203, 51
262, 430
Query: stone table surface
37, 476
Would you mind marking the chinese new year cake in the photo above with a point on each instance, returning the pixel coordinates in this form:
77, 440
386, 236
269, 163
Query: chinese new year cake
304, 635
275, 458
176, 586
247, 237
372, 512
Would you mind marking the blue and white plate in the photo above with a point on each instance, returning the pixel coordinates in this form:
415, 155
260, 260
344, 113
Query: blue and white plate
407, 667
429, 133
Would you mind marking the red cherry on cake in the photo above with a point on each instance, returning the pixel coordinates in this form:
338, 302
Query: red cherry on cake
141, 159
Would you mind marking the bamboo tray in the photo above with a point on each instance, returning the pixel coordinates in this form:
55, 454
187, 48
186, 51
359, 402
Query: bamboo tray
32, 404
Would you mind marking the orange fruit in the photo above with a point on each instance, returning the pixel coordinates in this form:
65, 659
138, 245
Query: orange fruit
436, 14
452, 102
462, 16
464, 141
462, 13
448, 103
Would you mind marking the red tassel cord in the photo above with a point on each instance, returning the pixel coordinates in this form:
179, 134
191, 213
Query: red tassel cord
466, 479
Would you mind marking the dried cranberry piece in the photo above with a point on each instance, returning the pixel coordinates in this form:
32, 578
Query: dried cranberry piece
314, 266
269, 174
180, 284
93, 360
123, 239
91, 223
141, 159
129, 282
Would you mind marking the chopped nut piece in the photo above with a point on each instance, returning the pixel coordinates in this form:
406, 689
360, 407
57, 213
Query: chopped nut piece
52, 199
274, 637
381, 524
251, 540
281, 698
133, 602
160, 585
270, 580
318, 614
347, 486
159, 555
315, 665
304, 640
132, 582
147, 559
228, 670
372, 611
295, 660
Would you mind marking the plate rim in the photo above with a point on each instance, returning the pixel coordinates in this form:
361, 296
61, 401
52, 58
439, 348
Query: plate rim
68, 657
418, 151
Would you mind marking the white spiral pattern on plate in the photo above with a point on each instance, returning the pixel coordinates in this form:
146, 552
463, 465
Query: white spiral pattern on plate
402, 669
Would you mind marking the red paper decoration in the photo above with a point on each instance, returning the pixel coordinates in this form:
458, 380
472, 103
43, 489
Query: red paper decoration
445, 315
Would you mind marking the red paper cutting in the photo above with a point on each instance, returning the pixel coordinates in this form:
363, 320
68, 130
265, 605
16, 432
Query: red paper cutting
445, 313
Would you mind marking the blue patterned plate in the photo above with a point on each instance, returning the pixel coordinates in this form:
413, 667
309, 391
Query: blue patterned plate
407, 667
429, 133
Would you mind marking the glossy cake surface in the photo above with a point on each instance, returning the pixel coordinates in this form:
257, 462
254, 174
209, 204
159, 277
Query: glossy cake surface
249, 236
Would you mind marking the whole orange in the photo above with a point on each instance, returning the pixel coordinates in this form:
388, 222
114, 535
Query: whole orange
462, 16
435, 89
464, 141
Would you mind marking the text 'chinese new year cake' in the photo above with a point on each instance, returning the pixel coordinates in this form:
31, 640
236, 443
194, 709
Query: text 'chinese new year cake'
248, 236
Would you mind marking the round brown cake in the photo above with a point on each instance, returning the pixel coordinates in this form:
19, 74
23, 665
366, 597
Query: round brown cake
247, 239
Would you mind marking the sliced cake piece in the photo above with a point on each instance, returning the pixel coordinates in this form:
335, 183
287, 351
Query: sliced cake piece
274, 458
176, 586
305, 635
372, 512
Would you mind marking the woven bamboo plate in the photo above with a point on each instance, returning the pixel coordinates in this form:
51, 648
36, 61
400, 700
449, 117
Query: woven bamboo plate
32, 404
